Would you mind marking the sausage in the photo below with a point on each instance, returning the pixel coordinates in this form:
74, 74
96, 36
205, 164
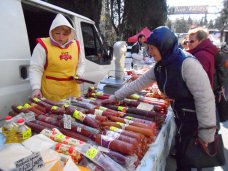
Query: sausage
18, 109
115, 145
130, 122
144, 131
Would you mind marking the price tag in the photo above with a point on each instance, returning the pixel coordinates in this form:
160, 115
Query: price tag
98, 112
32, 162
27, 134
54, 107
120, 108
112, 128
123, 126
20, 107
67, 121
26, 105
129, 117
98, 93
91, 153
79, 115
135, 96
145, 106
60, 136
102, 108
30, 116
36, 99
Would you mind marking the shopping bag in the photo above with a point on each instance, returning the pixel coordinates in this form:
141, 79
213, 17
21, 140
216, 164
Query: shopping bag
199, 156
222, 106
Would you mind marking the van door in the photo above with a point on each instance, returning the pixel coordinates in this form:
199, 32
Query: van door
98, 60
14, 57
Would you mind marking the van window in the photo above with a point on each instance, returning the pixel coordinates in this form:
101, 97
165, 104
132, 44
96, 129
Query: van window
38, 22
92, 43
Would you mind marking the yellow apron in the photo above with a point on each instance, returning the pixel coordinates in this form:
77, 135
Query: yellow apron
61, 63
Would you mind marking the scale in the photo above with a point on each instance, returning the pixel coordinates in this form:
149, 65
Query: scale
111, 83
115, 79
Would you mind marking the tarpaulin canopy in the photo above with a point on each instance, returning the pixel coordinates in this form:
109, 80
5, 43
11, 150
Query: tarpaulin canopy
144, 31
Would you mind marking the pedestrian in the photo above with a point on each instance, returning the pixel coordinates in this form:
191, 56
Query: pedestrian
202, 48
224, 54
137, 51
55, 61
181, 78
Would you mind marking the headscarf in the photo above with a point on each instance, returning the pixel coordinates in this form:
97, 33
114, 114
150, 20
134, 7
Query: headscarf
166, 42
60, 20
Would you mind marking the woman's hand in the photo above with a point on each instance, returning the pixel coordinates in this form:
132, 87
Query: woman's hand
36, 93
111, 100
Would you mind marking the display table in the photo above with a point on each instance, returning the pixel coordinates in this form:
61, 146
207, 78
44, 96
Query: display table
155, 157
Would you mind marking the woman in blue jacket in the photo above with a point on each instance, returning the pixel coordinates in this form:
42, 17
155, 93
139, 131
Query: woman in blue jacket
181, 78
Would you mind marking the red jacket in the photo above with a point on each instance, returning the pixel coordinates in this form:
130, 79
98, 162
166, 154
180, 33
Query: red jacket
205, 52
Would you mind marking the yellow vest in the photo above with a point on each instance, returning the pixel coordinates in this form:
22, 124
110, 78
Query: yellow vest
61, 63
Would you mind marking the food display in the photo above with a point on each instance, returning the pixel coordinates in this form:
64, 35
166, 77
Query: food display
110, 137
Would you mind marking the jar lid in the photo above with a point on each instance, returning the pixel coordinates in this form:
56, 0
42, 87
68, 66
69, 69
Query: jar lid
20, 121
8, 117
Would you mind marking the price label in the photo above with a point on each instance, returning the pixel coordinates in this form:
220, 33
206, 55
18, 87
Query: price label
54, 107
98, 112
98, 93
129, 117
36, 99
32, 162
60, 136
79, 115
120, 108
102, 108
112, 128
135, 96
145, 106
30, 116
91, 153
67, 121
123, 126
27, 134
20, 107
26, 105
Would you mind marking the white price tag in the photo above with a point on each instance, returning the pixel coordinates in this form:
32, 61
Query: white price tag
67, 121
30, 116
30, 163
145, 106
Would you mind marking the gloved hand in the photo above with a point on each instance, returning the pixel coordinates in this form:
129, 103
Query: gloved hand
110, 100
36, 93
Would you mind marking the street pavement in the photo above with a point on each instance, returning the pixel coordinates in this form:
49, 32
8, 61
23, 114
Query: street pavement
171, 163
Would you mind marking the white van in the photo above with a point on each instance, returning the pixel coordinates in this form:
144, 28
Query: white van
22, 21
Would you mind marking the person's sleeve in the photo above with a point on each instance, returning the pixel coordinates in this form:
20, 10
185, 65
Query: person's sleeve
36, 68
136, 86
198, 83
135, 51
81, 66
220, 69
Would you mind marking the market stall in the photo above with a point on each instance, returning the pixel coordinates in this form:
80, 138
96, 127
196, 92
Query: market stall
128, 136
156, 156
